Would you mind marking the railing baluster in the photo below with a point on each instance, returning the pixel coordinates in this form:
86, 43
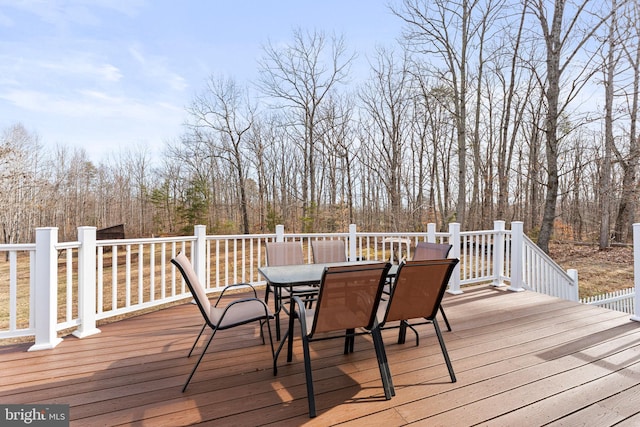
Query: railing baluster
163, 266
13, 290
114, 277
140, 273
100, 279
127, 279
152, 272
173, 270
69, 284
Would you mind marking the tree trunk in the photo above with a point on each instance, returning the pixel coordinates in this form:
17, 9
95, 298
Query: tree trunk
554, 45
605, 185
627, 207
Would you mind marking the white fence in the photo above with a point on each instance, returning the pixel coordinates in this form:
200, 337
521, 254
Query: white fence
51, 286
620, 300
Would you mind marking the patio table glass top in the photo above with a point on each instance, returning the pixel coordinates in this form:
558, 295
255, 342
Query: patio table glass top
299, 274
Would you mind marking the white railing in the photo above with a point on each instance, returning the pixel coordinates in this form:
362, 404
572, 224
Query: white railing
53, 286
543, 275
136, 274
620, 300
17, 284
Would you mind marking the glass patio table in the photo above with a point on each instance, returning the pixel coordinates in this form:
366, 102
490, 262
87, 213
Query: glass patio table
290, 276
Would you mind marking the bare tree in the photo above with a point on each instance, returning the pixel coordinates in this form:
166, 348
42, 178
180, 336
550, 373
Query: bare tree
610, 64
19, 154
530, 162
337, 137
511, 116
138, 160
222, 116
301, 76
445, 28
565, 39
257, 143
433, 147
630, 44
386, 100
164, 195
483, 18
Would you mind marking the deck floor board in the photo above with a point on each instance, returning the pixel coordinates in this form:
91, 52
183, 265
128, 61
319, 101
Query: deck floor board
520, 358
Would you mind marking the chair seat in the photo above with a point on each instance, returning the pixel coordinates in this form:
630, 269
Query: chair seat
244, 311
299, 290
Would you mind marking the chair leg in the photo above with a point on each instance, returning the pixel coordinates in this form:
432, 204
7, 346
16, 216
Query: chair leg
196, 341
275, 357
444, 351
277, 304
273, 352
198, 362
309, 377
266, 294
261, 322
349, 340
402, 333
446, 321
308, 301
383, 364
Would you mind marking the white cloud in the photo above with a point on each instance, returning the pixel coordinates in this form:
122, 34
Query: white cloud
156, 68
53, 12
74, 12
80, 66
109, 72
89, 104
177, 82
5, 21
137, 55
41, 102
94, 120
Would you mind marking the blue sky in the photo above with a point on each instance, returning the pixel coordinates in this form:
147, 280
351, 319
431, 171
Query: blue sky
106, 75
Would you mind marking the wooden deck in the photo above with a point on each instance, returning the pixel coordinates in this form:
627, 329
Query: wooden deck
521, 359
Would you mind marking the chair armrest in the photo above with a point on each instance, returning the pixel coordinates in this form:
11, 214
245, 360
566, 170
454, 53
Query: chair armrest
301, 313
236, 285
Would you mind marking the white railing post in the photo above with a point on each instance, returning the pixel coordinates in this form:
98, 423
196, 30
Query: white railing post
517, 259
574, 290
353, 244
87, 282
636, 271
46, 289
200, 255
431, 232
279, 233
498, 253
454, 240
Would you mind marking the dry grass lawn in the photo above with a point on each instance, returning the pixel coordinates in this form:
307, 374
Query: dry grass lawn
598, 271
